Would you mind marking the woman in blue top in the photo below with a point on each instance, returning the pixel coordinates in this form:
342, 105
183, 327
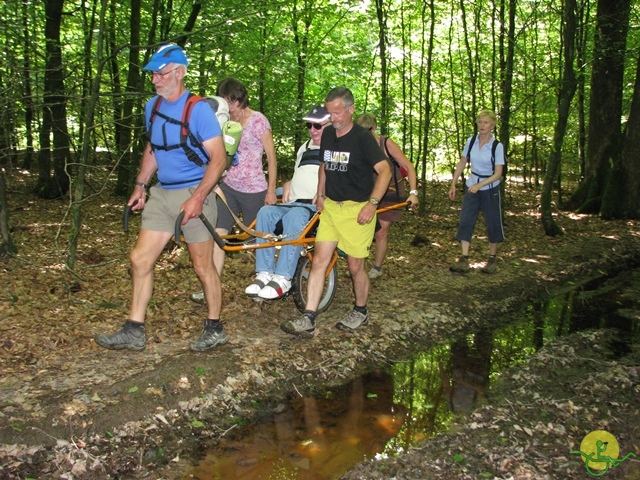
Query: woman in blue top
482, 192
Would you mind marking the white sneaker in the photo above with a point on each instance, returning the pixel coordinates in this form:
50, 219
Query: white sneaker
276, 288
262, 278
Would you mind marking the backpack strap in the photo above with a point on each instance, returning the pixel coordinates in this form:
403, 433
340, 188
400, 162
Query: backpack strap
185, 131
311, 156
494, 146
395, 167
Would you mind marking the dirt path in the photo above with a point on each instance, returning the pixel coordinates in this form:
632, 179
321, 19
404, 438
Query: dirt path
67, 405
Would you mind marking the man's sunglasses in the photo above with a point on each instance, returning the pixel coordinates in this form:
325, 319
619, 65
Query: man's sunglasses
317, 126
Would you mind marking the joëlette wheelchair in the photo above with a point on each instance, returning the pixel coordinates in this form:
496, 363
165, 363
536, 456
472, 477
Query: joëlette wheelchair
245, 240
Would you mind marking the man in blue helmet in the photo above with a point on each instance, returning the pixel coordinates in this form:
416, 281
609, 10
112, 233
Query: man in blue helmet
187, 169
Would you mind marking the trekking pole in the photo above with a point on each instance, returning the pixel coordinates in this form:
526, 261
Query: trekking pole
221, 243
125, 216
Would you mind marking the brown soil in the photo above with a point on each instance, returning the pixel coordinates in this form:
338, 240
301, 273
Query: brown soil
69, 409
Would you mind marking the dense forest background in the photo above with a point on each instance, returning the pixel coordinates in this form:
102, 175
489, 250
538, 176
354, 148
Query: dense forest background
563, 77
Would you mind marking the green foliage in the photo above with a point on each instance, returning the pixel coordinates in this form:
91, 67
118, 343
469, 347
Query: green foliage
290, 53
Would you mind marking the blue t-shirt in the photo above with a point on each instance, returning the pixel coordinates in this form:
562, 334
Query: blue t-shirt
175, 170
481, 166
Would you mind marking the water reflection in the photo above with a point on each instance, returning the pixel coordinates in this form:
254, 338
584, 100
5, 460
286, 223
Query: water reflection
384, 413
312, 438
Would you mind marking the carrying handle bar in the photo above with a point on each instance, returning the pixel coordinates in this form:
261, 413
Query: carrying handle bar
178, 229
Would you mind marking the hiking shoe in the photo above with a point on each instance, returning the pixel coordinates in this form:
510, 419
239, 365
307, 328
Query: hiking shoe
130, 337
198, 297
354, 320
302, 326
276, 288
375, 273
461, 265
212, 336
491, 266
261, 280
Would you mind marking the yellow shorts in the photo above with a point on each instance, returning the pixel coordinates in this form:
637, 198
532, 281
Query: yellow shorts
339, 223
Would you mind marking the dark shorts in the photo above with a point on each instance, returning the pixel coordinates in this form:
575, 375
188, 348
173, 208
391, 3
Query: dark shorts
246, 204
162, 209
489, 203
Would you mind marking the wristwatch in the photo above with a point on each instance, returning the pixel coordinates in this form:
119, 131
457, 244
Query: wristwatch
374, 201
413, 192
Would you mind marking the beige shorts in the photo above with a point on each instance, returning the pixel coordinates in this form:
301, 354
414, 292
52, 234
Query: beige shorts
339, 223
162, 209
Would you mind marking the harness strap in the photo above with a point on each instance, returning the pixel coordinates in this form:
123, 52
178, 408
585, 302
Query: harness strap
185, 131
242, 226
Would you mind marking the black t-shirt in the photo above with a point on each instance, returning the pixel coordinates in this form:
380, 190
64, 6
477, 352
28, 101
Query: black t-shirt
348, 163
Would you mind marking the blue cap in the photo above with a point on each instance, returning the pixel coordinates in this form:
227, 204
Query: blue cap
165, 55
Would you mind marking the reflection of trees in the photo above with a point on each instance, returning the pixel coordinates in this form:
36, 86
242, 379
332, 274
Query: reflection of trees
418, 386
470, 366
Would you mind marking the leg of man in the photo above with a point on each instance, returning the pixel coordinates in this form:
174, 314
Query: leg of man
293, 222
218, 253
360, 280
322, 254
382, 245
202, 260
266, 221
143, 258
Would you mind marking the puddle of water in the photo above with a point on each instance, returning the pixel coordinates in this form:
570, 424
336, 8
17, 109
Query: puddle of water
383, 413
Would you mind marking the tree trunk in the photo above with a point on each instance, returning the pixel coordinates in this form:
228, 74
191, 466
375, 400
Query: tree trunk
427, 103
55, 112
86, 152
128, 128
27, 94
621, 197
567, 90
6, 246
605, 108
383, 119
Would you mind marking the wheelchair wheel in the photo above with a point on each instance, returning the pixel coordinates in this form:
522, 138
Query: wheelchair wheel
299, 286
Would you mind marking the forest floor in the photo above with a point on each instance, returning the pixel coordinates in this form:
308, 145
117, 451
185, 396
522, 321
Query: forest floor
70, 409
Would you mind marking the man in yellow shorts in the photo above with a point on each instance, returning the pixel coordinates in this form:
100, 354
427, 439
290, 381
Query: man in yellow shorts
347, 196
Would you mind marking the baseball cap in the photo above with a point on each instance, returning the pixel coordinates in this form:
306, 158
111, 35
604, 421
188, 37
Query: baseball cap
165, 55
317, 114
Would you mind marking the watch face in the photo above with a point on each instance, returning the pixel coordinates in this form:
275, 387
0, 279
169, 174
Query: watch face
375, 201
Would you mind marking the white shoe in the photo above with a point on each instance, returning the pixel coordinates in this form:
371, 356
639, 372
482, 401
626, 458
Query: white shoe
261, 280
276, 288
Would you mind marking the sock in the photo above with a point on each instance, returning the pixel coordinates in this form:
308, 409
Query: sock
132, 324
362, 310
492, 256
377, 268
213, 323
310, 315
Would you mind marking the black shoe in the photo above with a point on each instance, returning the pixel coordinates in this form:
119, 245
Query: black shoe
212, 336
461, 265
491, 266
130, 336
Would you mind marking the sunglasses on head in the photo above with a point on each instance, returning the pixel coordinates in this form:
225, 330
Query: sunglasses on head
317, 126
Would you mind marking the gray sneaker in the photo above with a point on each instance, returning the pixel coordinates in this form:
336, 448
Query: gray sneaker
461, 265
302, 326
491, 266
354, 320
197, 297
129, 337
212, 336
374, 273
